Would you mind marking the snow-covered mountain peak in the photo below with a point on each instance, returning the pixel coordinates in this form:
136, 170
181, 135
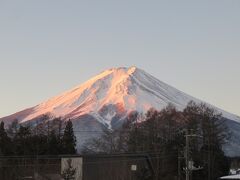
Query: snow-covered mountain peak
120, 71
117, 73
113, 93
106, 99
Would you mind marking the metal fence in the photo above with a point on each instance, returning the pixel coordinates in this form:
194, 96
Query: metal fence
92, 167
20, 168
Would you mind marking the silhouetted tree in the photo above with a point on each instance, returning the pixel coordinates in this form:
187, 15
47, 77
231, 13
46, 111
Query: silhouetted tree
113, 141
12, 128
54, 147
69, 139
5, 141
23, 141
160, 135
207, 151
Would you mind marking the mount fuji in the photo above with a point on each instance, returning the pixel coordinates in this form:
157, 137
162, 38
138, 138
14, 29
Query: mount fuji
106, 99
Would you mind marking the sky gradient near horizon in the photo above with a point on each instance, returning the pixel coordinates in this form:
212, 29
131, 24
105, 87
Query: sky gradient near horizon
48, 47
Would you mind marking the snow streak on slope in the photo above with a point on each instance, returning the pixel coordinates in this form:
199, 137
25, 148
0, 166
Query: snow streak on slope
114, 93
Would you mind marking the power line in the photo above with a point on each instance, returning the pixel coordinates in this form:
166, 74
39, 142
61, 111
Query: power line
128, 153
95, 162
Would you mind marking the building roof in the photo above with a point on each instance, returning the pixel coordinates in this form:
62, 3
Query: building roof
231, 177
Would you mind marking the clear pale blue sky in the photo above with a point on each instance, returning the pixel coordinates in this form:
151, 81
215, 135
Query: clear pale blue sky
49, 46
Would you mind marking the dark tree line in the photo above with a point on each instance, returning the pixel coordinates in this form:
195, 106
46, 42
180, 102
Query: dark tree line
21, 144
161, 134
47, 136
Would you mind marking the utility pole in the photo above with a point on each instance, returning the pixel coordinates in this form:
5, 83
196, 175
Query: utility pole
187, 155
179, 165
179, 168
209, 162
